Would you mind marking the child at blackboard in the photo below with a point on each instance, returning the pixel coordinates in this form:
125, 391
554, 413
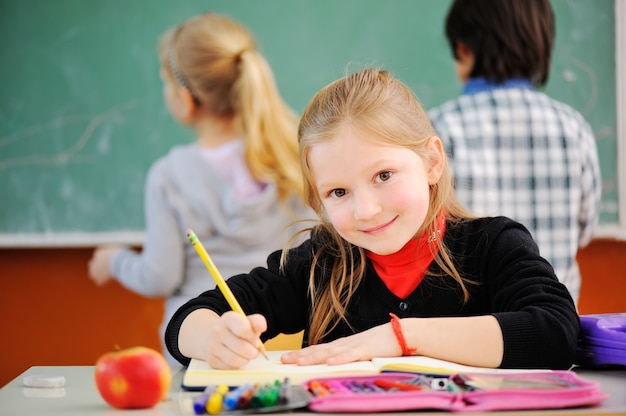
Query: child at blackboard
514, 150
396, 265
238, 186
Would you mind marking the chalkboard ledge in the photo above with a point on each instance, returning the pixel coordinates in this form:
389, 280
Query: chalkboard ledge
75, 239
611, 231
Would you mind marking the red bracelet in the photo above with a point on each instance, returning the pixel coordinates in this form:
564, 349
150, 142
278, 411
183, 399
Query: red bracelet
397, 329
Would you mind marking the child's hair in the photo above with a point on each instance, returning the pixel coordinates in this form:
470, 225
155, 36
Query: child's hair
509, 38
371, 101
216, 60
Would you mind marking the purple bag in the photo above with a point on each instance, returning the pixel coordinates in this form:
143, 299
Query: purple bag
602, 340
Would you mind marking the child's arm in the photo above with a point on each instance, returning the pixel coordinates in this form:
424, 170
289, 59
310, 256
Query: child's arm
475, 341
99, 264
227, 341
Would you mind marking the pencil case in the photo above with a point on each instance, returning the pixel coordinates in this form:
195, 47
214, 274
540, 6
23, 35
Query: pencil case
602, 340
465, 392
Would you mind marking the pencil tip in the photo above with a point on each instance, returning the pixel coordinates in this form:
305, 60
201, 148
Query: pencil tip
263, 351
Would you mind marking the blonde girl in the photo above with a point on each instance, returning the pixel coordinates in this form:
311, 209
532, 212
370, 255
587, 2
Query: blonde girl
238, 186
396, 265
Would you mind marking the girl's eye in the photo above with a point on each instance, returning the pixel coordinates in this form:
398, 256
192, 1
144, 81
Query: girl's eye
337, 193
383, 176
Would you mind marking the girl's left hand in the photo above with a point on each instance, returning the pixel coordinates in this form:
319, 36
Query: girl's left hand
379, 341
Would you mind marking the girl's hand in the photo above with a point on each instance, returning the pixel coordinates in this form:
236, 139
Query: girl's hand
233, 340
379, 341
99, 270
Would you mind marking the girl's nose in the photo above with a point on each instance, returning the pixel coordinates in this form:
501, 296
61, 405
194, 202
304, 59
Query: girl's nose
366, 206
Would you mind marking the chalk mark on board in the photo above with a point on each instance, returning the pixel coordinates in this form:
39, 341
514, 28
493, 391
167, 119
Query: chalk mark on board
593, 95
71, 152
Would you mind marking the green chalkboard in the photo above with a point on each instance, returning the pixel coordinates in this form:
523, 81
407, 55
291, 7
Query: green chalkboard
81, 109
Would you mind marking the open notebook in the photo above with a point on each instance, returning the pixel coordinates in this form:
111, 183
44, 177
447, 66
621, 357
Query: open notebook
199, 374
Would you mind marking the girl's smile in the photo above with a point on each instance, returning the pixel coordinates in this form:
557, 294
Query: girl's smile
381, 228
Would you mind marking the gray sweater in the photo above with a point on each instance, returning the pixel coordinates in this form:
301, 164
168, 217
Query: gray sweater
183, 191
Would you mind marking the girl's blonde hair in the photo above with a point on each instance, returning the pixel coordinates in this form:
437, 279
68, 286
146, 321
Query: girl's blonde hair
215, 58
371, 101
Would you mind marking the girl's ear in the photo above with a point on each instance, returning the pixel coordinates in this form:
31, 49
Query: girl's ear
436, 159
188, 105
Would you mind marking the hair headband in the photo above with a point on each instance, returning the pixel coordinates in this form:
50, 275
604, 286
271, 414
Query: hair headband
180, 78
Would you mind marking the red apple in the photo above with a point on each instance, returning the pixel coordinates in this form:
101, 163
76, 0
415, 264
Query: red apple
134, 378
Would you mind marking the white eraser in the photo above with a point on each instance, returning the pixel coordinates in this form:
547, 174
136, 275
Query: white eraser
44, 381
39, 393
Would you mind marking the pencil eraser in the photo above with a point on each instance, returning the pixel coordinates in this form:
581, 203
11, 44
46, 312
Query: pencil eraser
44, 381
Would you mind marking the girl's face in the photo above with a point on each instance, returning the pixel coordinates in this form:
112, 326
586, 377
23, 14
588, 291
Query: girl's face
375, 194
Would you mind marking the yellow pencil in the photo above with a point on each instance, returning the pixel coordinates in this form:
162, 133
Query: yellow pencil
221, 283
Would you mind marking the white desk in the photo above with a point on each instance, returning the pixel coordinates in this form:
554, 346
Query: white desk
80, 397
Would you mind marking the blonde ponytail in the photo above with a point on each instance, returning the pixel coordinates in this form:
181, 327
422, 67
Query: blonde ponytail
216, 59
270, 127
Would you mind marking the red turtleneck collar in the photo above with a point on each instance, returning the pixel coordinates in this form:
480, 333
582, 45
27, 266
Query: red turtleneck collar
405, 269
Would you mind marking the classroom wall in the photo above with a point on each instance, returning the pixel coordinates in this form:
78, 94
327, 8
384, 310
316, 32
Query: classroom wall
52, 314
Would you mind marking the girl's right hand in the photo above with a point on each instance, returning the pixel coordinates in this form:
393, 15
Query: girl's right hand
229, 341
233, 340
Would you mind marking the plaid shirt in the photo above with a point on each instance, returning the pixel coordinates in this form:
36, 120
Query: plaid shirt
516, 152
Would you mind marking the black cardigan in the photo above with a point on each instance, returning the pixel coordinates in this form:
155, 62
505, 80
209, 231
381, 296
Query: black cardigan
536, 313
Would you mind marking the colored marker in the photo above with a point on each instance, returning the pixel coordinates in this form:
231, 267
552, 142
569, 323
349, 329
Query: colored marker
270, 396
199, 405
371, 386
256, 400
317, 389
245, 398
214, 404
232, 397
360, 387
284, 395
337, 387
391, 385
350, 386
